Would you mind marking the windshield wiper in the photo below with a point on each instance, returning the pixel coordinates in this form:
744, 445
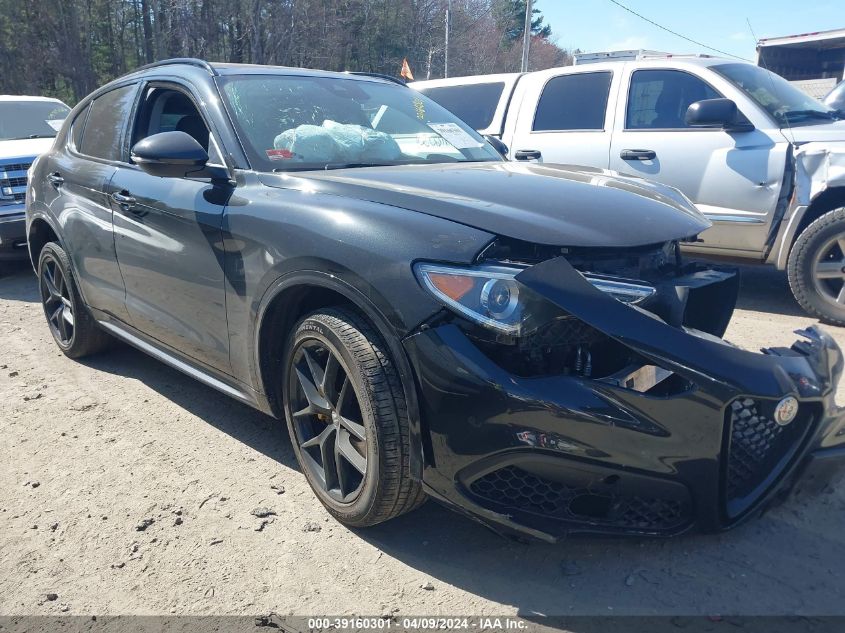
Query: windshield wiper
808, 114
326, 167
329, 166
351, 165
23, 138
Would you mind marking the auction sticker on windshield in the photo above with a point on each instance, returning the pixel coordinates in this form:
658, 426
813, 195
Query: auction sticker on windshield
455, 134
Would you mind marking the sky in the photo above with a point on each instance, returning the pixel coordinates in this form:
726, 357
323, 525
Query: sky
600, 25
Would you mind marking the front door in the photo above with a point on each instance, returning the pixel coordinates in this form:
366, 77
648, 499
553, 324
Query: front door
734, 178
168, 239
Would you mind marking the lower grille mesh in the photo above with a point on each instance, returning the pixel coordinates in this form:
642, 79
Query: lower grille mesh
757, 447
516, 489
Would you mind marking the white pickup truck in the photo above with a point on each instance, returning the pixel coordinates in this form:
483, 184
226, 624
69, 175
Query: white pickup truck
762, 160
28, 126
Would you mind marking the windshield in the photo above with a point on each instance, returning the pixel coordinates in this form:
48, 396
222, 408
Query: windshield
289, 122
31, 119
474, 103
786, 103
836, 99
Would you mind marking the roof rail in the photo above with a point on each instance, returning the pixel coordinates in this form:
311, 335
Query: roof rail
186, 61
378, 76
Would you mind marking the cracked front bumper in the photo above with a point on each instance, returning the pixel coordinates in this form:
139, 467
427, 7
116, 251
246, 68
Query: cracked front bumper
552, 455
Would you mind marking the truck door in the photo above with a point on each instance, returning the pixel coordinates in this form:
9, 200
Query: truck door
733, 177
563, 118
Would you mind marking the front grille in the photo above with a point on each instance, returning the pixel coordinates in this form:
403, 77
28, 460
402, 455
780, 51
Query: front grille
13, 181
758, 449
514, 489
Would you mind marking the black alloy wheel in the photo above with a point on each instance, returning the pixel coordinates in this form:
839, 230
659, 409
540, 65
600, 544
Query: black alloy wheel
345, 408
55, 296
71, 324
327, 421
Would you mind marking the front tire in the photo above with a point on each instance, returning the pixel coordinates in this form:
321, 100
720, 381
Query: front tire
72, 326
347, 418
816, 268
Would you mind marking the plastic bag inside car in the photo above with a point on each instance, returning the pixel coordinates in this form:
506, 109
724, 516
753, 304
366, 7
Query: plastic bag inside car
338, 142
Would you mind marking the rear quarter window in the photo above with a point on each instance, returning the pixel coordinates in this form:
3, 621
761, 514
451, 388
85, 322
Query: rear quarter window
474, 104
573, 102
108, 116
77, 128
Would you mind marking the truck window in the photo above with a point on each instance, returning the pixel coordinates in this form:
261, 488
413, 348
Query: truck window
474, 104
658, 99
573, 102
107, 119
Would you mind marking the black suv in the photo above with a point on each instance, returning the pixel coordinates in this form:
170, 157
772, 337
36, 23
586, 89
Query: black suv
520, 341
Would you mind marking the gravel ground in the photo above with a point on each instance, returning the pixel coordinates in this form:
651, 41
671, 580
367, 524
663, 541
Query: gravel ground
127, 488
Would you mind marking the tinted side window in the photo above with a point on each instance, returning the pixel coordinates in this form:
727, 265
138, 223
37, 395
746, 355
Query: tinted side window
573, 102
107, 118
170, 110
77, 127
475, 104
659, 99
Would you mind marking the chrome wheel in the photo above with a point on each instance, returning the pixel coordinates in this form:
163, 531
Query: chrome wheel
829, 270
55, 297
327, 421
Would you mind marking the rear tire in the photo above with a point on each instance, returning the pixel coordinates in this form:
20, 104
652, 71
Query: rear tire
347, 418
71, 324
816, 268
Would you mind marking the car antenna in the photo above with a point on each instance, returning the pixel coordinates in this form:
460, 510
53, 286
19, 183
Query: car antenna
761, 61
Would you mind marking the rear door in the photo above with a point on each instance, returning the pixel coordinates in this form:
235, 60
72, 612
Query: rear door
563, 117
79, 175
168, 236
733, 177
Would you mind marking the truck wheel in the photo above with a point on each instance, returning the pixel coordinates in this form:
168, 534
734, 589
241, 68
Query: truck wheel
347, 418
816, 268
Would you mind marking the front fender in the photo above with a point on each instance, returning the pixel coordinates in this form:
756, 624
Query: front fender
372, 305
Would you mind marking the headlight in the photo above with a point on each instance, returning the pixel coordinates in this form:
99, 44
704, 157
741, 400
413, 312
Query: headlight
490, 296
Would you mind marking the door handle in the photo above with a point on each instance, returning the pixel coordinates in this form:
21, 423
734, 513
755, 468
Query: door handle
123, 198
55, 179
637, 154
528, 154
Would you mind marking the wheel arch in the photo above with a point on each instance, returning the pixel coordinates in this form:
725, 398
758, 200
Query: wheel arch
294, 296
40, 231
827, 200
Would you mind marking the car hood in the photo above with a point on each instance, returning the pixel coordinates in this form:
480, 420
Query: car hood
822, 132
24, 148
544, 204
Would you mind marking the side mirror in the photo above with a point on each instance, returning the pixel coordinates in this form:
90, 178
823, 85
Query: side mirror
717, 113
169, 155
497, 144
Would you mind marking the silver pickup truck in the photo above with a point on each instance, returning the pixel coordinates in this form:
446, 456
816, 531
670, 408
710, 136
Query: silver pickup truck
762, 160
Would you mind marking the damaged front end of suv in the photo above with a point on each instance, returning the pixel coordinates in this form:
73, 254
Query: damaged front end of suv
588, 390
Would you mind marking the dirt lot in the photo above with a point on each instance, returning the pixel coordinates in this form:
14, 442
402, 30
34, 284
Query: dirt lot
127, 488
